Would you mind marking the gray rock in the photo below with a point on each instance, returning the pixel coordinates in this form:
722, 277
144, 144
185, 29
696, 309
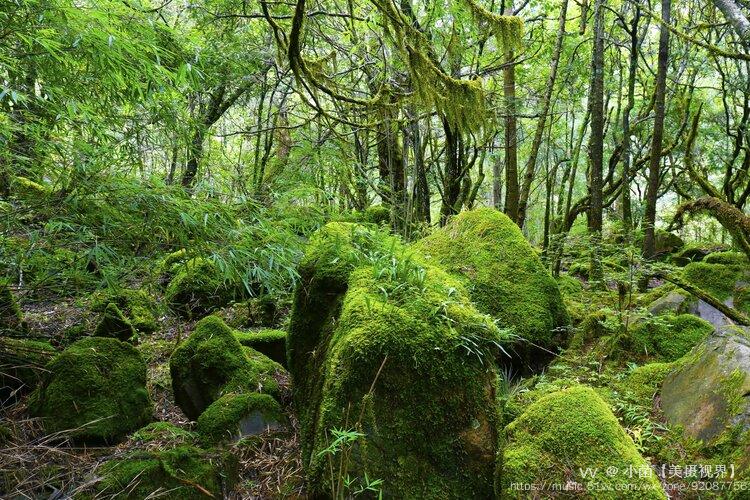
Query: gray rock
710, 391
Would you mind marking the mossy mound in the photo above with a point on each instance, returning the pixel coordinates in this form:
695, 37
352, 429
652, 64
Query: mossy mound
696, 252
727, 258
96, 388
11, 317
162, 431
235, 416
270, 342
114, 324
184, 472
719, 280
565, 434
666, 242
212, 362
22, 363
197, 287
667, 337
505, 278
643, 382
384, 343
138, 306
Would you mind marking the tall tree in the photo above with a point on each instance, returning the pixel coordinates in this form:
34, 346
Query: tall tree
654, 174
596, 143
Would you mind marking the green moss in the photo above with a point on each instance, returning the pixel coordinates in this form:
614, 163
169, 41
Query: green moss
270, 342
370, 315
233, 416
11, 317
28, 189
377, 214
22, 364
565, 433
717, 279
504, 276
643, 382
162, 431
137, 305
569, 286
183, 471
97, 388
667, 337
212, 362
114, 324
197, 287
727, 258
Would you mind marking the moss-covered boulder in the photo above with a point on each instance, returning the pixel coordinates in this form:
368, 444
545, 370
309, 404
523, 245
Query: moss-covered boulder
138, 306
96, 388
667, 337
22, 363
708, 394
212, 362
505, 278
235, 416
566, 437
644, 382
727, 258
386, 344
674, 302
198, 287
270, 342
666, 242
11, 317
184, 472
114, 324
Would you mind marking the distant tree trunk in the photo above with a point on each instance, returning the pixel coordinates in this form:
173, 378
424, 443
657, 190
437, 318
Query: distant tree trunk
627, 212
512, 193
195, 153
497, 183
421, 185
596, 144
452, 172
541, 123
652, 189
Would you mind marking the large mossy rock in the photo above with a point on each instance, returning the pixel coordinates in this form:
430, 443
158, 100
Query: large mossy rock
708, 394
183, 472
212, 362
383, 343
667, 337
666, 242
96, 388
567, 434
505, 278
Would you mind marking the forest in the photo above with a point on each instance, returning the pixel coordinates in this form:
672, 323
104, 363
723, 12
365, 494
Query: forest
418, 249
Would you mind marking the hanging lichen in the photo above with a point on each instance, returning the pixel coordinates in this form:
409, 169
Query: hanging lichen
508, 30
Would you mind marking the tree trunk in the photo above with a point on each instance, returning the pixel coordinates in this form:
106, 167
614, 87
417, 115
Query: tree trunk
540, 126
652, 189
452, 173
733, 12
627, 212
512, 193
596, 144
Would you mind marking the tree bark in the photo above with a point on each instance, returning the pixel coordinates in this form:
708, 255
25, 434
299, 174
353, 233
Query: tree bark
652, 189
596, 144
733, 12
512, 193
627, 212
